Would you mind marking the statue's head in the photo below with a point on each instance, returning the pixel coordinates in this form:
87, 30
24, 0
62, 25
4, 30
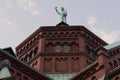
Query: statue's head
62, 8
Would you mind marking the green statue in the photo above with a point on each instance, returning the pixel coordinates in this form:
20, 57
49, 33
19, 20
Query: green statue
62, 14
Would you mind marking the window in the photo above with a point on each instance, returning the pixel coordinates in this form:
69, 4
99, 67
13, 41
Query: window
18, 76
115, 63
118, 60
26, 58
30, 55
66, 48
117, 78
74, 47
25, 78
12, 72
94, 78
33, 65
93, 54
88, 49
36, 62
35, 51
88, 62
58, 48
111, 66
22, 59
49, 47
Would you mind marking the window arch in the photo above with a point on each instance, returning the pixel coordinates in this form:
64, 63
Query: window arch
35, 39
93, 53
35, 50
74, 46
30, 54
25, 78
88, 49
58, 47
12, 72
118, 60
111, 66
31, 42
21, 51
94, 78
66, 47
28, 45
115, 63
117, 78
82, 78
18, 76
26, 58
49, 47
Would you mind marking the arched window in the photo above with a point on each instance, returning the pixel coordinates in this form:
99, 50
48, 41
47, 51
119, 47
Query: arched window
28, 45
20, 51
81, 78
25, 78
118, 60
35, 39
66, 48
58, 48
11, 71
30, 54
33, 65
22, 59
74, 46
117, 78
111, 66
88, 62
93, 54
94, 78
115, 63
18, 76
35, 62
35, 51
26, 58
49, 47
88, 49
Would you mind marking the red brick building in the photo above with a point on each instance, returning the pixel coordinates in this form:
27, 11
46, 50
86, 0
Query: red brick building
64, 52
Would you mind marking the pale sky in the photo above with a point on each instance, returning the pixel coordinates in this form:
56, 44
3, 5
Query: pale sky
20, 18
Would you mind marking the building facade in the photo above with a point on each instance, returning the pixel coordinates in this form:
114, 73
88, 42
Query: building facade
65, 52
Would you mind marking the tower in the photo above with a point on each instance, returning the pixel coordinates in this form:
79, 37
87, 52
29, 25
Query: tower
59, 49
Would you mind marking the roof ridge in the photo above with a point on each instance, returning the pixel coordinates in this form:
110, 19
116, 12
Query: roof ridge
112, 45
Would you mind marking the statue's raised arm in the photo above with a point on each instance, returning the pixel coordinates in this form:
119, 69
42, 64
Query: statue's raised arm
62, 14
57, 10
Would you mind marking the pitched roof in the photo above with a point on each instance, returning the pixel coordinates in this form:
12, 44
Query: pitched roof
110, 46
9, 51
37, 74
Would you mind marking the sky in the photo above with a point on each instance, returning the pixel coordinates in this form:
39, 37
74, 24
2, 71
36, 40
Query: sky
20, 18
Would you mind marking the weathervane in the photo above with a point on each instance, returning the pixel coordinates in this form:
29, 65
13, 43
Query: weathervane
62, 14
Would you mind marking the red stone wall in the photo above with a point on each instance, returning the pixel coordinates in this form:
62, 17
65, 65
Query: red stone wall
47, 38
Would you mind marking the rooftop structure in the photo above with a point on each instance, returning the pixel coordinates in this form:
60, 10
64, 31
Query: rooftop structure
64, 52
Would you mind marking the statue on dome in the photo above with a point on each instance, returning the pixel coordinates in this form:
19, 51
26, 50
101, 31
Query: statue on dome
63, 14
